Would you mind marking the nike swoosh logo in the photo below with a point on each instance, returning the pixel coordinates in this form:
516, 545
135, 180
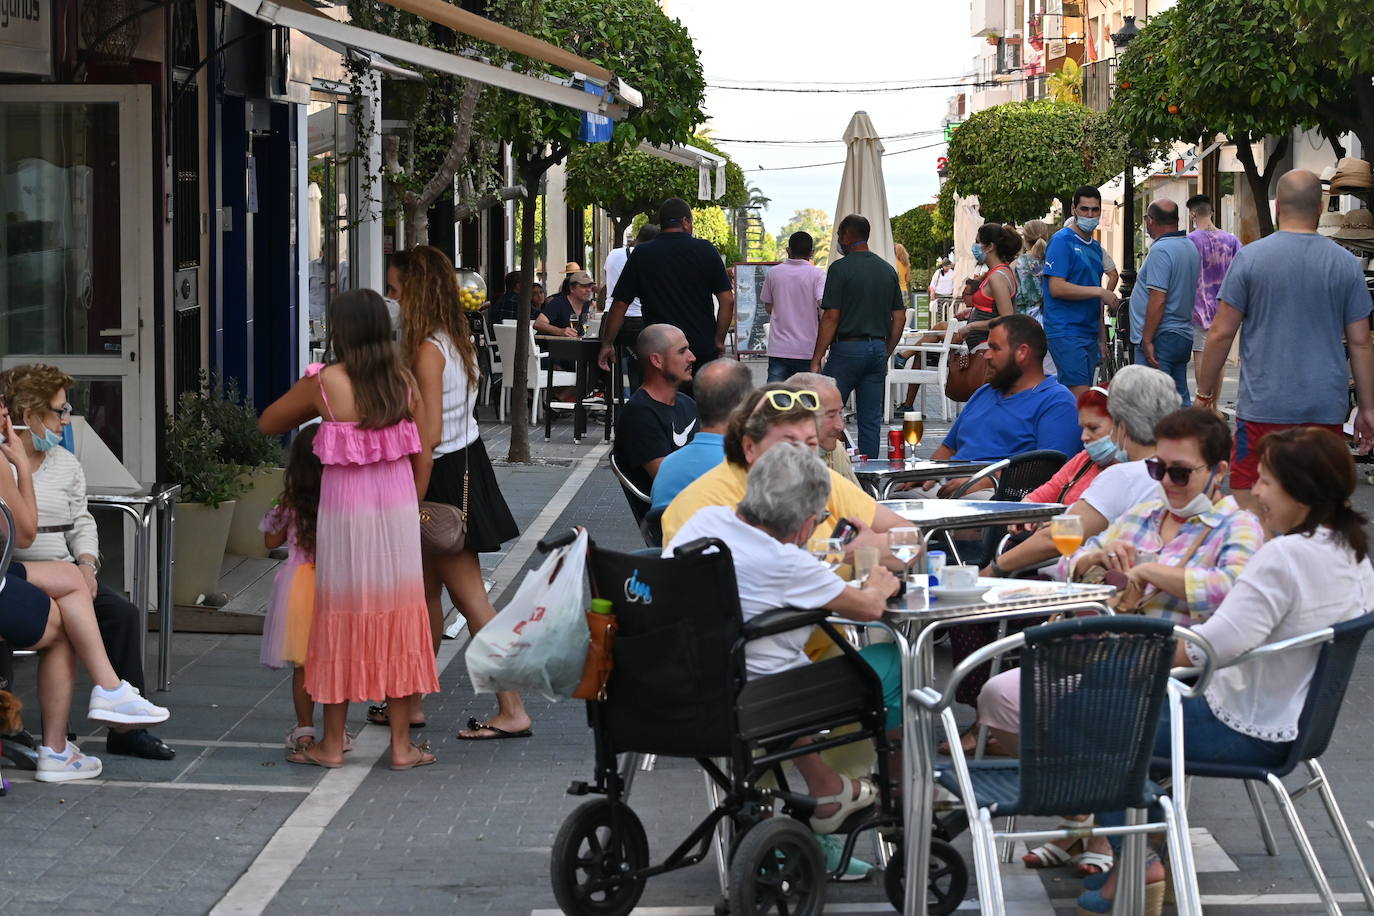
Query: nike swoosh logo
680, 438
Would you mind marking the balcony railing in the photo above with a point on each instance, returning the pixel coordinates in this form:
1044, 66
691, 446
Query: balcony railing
1097, 84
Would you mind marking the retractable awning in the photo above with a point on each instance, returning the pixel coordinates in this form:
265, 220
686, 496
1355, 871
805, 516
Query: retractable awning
296, 14
693, 157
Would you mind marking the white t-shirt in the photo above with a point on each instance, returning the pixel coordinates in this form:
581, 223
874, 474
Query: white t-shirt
770, 574
1120, 487
615, 263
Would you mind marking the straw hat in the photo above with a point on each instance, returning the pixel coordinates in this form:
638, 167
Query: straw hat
1352, 173
1331, 221
1357, 226
574, 267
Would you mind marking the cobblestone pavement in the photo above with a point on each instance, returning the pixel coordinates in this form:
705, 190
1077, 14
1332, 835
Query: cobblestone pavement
229, 826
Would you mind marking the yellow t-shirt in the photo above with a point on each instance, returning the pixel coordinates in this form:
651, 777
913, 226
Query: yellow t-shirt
724, 485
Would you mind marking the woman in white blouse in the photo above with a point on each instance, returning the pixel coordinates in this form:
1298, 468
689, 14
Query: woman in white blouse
1314, 572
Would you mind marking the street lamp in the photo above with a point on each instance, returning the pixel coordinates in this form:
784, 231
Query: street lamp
1121, 39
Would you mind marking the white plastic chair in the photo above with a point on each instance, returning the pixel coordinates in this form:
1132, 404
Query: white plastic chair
535, 374
915, 373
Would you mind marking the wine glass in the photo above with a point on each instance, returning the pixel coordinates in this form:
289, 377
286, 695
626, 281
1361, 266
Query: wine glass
1067, 533
905, 544
829, 551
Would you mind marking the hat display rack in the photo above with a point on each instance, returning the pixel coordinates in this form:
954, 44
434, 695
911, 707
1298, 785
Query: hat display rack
1353, 230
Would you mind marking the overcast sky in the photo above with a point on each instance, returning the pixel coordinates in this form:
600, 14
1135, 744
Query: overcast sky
854, 41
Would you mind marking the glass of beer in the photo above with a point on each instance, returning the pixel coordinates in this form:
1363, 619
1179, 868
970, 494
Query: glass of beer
1067, 533
913, 428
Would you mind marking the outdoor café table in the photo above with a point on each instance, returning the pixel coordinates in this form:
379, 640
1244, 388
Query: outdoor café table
143, 504
583, 352
879, 475
935, 515
919, 617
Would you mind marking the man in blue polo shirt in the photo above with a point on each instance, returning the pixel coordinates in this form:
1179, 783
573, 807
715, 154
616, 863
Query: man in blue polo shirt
720, 386
1164, 295
1074, 295
1021, 409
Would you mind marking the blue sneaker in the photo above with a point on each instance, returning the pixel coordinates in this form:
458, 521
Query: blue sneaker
833, 845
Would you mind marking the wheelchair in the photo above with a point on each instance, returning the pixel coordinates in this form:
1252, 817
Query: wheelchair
679, 689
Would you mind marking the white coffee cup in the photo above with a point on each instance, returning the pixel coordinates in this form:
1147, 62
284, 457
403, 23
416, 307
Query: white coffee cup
959, 577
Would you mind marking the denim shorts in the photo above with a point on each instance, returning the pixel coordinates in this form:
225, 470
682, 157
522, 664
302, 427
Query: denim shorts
1076, 360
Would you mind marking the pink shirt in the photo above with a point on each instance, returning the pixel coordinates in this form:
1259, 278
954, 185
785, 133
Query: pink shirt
794, 288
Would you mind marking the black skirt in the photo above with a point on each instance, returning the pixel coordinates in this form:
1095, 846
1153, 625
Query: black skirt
490, 523
23, 610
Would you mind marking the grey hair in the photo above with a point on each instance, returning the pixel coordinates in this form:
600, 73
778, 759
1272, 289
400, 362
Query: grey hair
1139, 397
813, 380
786, 486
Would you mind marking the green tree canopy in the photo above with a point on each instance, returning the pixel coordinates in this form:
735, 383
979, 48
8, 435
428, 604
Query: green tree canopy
816, 222
1020, 157
916, 230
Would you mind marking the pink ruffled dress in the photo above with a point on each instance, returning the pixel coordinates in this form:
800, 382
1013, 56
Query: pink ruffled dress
370, 636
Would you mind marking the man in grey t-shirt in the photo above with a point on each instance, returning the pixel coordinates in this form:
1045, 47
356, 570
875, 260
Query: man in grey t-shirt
1296, 294
1162, 301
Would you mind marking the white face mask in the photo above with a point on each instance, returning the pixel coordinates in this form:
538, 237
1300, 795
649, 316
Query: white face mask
1196, 506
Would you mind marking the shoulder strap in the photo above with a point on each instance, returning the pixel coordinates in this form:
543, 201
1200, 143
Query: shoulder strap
327, 409
1087, 465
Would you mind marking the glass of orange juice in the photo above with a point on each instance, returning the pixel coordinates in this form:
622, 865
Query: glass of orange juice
1067, 533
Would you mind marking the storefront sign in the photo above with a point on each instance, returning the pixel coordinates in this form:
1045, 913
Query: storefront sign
26, 36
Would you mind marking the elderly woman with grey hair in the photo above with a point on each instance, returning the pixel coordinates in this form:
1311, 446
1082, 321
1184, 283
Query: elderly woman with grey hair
784, 502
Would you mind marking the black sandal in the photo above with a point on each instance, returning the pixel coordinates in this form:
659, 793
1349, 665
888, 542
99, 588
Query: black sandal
377, 715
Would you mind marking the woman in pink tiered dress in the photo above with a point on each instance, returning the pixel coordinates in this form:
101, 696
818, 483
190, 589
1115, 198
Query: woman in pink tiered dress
369, 639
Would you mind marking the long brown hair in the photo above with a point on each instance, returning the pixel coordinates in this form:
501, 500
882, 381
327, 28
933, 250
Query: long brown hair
429, 303
360, 337
300, 491
1314, 467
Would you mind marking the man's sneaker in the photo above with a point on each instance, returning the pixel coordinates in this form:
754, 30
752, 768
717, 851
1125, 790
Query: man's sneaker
833, 846
124, 706
70, 764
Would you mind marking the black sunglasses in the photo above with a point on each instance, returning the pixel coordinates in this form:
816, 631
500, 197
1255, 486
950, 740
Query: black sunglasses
1178, 474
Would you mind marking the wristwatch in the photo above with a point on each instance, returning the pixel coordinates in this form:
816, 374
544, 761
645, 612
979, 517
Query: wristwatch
93, 564
997, 571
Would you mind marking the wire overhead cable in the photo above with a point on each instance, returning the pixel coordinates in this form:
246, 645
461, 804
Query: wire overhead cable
816, 165
913, 135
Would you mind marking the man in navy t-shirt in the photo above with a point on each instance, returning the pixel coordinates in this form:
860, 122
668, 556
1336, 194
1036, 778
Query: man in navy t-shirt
1021, 409
1074, 294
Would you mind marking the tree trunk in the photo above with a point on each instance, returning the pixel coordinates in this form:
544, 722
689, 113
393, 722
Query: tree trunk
416, 205
519, 414
621, 223
1258, 181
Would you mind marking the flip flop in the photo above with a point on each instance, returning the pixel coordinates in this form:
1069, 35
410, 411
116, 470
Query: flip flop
377, 715
500, 733
303, 757
425, 759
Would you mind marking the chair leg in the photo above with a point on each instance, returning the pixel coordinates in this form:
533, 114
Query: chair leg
1271, 846
1188, 896
1333, 811
1008, 850
719, 838
1309, 855
985, 862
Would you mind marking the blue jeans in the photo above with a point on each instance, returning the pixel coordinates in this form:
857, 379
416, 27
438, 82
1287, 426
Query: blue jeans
781, 368
1172, 352
860, 366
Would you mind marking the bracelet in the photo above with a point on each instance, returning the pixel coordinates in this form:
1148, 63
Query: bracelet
997, 571
1209, 398
93, 564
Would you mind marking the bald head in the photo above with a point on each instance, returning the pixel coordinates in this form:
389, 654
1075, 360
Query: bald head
656, 338
1299, 201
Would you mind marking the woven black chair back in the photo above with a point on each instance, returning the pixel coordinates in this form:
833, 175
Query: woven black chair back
1026, 471
672, 689
1091, 694
1330, 678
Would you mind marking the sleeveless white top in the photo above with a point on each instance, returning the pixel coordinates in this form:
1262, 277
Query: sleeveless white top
458, 426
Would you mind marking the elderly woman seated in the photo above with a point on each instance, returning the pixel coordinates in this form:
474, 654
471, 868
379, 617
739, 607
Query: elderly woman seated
783, 505
37, 394
1178, 554
1313, 573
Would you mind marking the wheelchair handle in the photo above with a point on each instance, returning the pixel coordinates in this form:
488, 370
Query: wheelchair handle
559, 540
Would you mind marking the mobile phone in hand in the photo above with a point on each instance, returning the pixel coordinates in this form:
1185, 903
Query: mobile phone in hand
845, 530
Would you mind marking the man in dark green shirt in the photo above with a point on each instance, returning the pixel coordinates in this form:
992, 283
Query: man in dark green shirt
861, 324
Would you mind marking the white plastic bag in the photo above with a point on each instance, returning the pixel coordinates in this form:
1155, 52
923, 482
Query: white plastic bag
538, 642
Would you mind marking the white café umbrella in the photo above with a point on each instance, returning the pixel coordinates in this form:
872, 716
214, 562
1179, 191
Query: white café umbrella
862, 190
967, 219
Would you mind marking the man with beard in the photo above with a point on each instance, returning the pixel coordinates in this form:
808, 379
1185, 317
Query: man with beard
1021, 408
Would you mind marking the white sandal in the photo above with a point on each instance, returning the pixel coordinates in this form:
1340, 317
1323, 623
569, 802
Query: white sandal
849, 804
1101, 861
1052, 855
303, 733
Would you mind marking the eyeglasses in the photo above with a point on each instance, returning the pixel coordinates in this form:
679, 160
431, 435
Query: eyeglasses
65, 411
782, 399
1178, 474
821, 517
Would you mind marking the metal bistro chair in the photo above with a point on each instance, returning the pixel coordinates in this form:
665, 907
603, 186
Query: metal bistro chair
1340, 649
639, 500
1013, 478
1091, 694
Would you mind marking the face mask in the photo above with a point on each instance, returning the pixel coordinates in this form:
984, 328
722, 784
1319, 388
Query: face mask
1102, 451
46, 442
844, 249
1196, 506
1087, 223
978, 254
68, 440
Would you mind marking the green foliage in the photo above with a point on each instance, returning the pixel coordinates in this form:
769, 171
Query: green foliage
193, 457
709, 223
916, 230
236, 419
1020, 157
627, 183
816, 222
920, 278
942, 223
1338, 31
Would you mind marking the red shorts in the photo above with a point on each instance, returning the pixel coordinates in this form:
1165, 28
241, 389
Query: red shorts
1245, 450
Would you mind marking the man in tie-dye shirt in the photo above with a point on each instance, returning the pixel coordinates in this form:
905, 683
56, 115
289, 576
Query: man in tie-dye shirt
1217, 249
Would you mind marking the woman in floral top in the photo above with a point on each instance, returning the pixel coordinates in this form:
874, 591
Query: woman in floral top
1029, 267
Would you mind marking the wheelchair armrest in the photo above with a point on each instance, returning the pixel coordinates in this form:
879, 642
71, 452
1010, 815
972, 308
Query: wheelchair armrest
782, 619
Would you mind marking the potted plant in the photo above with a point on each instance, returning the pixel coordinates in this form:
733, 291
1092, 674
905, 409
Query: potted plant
205, 508
258, 456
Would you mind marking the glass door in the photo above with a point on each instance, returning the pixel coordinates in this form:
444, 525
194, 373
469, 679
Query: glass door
76, 253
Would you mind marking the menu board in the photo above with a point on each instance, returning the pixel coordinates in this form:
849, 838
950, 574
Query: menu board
751, 320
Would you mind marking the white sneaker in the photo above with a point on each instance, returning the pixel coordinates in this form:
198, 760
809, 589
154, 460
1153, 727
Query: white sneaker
70, 764
125, 706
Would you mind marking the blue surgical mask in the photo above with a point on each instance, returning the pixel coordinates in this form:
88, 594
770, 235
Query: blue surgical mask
978, 254
46, 442
1087, 223
68, 438
1102, 451
1121, 456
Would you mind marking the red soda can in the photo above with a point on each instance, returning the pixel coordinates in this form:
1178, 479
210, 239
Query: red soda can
896, 445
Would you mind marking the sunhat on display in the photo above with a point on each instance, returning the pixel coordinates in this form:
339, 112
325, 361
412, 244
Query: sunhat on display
1357, 229
1331, 222
1352, 174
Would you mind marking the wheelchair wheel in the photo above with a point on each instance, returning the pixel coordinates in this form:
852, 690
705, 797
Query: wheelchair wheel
778, 868
947, 880
586, 850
